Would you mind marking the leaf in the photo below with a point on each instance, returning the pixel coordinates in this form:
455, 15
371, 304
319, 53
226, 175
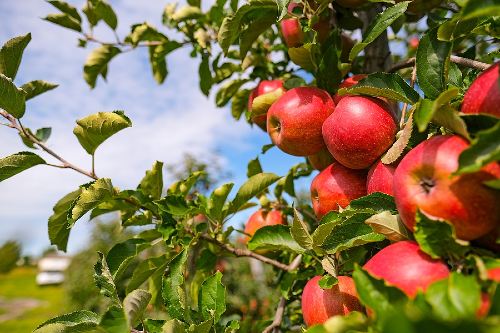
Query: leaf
376, 295
389, 225
437, 238
12, 98
121, 254
11, 54
275, 238
173, 326
282, 8
378, 26
145, 270
114, 320
426, 109
78, 321
93, 130
104, 280
254, 29
253, 186
300, 232
227, 91
474, 9
432, 61
329, 74
66, 9
152, 183
254, 167
105, 12
187, 13
58, 225
262, 103
455, 298
91, 196
65, 21
449, 118
401, 143
205, 75
303, 56
37, 87
239, 103
389, 85
17, 163
212, 299
134, 305
484, 149
172, 290
378, 202
217, 200
97, 63
327, 281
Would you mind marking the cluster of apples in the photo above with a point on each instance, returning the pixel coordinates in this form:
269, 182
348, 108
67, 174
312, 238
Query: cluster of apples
344, 137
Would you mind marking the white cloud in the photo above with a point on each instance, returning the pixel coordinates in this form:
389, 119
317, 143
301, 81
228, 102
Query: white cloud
168, 120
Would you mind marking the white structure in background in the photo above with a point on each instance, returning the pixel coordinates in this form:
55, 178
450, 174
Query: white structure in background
51, 269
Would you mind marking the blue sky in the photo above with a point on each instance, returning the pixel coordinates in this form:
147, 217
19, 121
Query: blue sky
168, 120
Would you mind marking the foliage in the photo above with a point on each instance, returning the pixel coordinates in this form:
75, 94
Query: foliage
10, 252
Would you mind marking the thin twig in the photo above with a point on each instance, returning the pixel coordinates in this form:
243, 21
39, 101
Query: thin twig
455, 59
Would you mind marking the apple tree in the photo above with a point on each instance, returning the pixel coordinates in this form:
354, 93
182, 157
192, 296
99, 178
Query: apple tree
395, 103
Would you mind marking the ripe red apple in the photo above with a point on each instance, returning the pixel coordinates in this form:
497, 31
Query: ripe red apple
349, 82
320, 304
294, 121
380, 178
292, 32
262, 88
483, 96
484, 307
359, 131
494, 274
336, 186
406, 267
263, 218
321, 159
423, 180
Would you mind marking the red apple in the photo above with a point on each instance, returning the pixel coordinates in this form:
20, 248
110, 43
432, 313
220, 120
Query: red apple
484, 307
262, 88
483, 96
292, 32
336, 186
321, 159
349, 82
406, 267
424, 180
413, 44
494, 274
320, 304
263, 218
294, 121
380, 178
359, 131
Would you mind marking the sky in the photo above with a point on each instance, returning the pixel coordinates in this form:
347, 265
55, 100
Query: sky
168, 120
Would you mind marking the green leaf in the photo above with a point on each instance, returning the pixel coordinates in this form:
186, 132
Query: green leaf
378, 26
134, 305
58, 225
212, 299
432, 61
91, 196
145, 270
303, 56
37, 87
205, 75
327, 281
152, 183
217, 200
227, 91
389, 85
282, 8
239, 103
78, 321
389, 225
437, 238
11, 54
254, 167
105, 12
401, 143
274, 237
66, 9
481, 8
449, 118
254, 29
104, 280
114, 321
300, 232
97, 63
377, 202
17, 163
121, 254
495, 184
252, 187
157, 59
173, 326
64, 20
352, 322
455, 298
329, 74
426, 109
173, 286
12, 98
187, 13
484, 149
93, 130
376, 295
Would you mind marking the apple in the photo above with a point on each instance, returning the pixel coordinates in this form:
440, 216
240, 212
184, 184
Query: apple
484, 307
380, 178
483, 96
321, 159
263, 218
292, 32
405, 266
262, 88
349, 82
494, 274
320, 304
336, 186
294, 121
359, 131
424, 180
413, 44
351, 3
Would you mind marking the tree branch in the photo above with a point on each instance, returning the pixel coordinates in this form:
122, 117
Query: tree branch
455, 59
377, 54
